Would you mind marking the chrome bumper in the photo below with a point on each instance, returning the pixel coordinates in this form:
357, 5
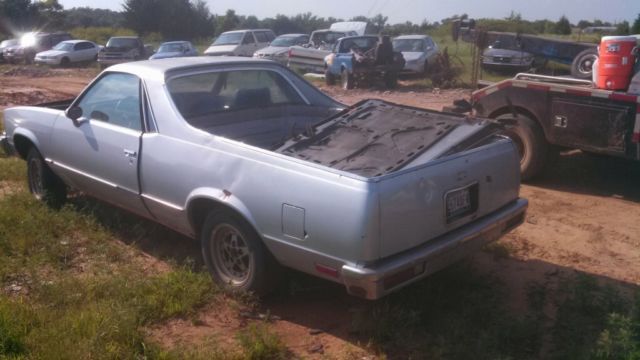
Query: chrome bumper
391, 274
5, 145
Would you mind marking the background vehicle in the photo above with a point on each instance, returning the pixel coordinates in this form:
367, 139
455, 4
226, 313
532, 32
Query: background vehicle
121, 49
175, 49
33, 43
198, 144
363, 59
70, 51
278, 49
6, 44
240, 42
544, 112
310, 57
419, 52
497, 58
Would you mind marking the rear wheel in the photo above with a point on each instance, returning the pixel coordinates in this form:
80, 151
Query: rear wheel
348, 81
530, 141
235, 255
390, 79
582, 66
43, 183
329, 79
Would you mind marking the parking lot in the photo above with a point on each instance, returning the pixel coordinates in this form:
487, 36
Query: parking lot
582, 219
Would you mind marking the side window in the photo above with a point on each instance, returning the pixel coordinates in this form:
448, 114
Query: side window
261, 36
202, 94
248, 39
115, 99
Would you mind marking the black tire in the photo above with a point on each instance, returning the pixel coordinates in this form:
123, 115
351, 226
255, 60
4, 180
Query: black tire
348, 81
235, 255
43, 183
329, 79
390, 80
530, 141
425, 69
582, 66
65, 62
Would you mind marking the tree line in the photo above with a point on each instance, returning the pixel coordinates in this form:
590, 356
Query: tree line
192, 19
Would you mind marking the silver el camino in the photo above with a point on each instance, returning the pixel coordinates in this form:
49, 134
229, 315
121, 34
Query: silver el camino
267, 171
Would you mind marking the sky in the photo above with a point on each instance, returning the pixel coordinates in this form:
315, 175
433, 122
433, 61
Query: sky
417, 10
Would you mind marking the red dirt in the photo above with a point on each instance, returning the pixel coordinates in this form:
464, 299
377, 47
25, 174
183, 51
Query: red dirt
583, 216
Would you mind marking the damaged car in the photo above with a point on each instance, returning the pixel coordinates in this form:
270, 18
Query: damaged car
267, 171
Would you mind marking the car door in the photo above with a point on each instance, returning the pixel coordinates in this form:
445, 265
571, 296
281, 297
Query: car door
248, 45
98, 153
86, 51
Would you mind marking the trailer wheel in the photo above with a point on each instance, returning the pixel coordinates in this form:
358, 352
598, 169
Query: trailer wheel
582, 66
329, 79
348, 81
529, 139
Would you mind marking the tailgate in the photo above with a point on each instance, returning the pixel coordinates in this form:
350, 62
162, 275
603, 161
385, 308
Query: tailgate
423, 202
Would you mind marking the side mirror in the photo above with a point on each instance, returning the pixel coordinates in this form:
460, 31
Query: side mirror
74, 113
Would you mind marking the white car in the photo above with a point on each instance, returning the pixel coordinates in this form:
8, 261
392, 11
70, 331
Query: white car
69, 51
240, 42
419, 52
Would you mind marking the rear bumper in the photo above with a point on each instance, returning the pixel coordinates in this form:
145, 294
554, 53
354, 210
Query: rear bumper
391, 274
6, 145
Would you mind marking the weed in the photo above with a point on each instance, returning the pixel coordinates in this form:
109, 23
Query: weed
259, 343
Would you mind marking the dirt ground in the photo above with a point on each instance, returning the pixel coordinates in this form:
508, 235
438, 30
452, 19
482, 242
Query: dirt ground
583, 216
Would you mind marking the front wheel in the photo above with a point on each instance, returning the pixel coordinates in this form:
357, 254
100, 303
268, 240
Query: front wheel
329, 79
348, 81
390, 80
43, 183
235, 255
530, 141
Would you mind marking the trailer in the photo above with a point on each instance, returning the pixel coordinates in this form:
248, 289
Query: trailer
543, 114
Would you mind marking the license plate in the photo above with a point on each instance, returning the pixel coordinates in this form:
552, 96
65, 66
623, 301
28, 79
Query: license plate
461, 202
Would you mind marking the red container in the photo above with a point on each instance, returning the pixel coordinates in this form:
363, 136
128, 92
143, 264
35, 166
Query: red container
615, 62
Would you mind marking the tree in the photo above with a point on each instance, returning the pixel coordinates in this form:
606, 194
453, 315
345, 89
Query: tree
583, 24
379, 21
227, 22
16, 15
623, 28
563, 26
635, 29
173, 19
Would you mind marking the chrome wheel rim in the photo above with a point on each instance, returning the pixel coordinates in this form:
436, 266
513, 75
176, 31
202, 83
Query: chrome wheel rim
586, 64
230, 253
35, 178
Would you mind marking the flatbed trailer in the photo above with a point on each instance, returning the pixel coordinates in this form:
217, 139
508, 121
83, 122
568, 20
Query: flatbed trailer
542, 114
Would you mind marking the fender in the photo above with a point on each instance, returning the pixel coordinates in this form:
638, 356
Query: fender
223, 197
27, 134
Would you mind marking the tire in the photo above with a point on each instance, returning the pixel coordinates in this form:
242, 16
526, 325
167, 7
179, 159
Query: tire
390, 80
329, 79
235, 256
425, 69
65, 62
43, 183
348, 82
582, 66
530, 141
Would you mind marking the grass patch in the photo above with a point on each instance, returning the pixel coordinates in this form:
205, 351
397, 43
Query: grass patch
67, 290
258, 342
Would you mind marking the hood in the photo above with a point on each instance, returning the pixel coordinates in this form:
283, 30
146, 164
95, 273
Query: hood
272, 50
506, 53
118, 48
412, 55
52, 53
165, 55
221, 49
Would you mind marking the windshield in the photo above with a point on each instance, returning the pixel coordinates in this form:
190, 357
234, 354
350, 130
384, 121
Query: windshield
7, 43
171, 48
229, 39
408, 45
64, 46
123, 43
286, 41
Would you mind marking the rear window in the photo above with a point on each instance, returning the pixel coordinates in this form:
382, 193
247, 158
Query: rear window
261, 36
213, 92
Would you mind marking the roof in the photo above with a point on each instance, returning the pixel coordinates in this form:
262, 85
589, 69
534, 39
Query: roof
411, 37
175, 42
157, 69
75, 41
245, 30
292, 35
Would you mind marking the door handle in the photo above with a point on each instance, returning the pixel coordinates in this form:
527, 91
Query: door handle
130, 154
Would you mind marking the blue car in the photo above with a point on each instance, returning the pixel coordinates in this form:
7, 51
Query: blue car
175, 49
363, 59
